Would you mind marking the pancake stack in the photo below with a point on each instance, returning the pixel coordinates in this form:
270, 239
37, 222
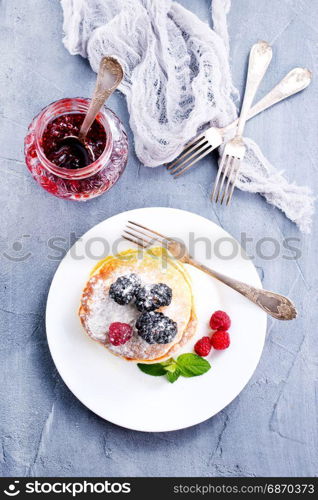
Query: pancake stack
98, 310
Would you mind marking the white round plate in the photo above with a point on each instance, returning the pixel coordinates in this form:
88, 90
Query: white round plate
116, 389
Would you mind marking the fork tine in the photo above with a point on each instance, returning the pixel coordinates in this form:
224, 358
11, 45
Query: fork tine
228, 201
187, 156
220, 177
136, 236
138, 243
188, 149
133, 234
147, 229
195, 139
205, 153
225, 174
229, 175
135, 230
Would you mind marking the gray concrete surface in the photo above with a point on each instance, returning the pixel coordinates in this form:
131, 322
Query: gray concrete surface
271, 428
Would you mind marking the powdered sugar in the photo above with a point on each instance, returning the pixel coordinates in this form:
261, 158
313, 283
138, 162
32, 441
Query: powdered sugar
103, 310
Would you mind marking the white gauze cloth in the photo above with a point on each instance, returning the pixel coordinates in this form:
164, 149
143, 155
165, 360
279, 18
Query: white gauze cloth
177, 80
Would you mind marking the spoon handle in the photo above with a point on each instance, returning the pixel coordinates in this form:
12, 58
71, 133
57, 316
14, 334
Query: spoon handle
109, 76
275, 305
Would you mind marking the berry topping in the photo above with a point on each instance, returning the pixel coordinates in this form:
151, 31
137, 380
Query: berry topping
68, 156
156, 328
119, 333
220, 340
124, 289
203, 346
220, 321
151, 297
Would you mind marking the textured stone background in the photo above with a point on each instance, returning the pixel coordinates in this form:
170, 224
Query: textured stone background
271, 428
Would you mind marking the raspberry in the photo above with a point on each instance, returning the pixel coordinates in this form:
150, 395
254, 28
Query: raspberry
220, 321
203, 346
119, 333
220, 340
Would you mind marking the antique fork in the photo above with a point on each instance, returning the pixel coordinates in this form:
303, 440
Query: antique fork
295, 81
234, 151
275, 305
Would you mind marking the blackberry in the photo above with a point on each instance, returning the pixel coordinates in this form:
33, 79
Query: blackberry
124, 289
151, 297
156, 328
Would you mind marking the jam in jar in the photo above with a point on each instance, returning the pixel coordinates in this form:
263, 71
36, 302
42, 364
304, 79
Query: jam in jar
58, 168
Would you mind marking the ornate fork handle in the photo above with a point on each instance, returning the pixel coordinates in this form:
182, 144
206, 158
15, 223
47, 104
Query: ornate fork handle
275, 305
259, 59
295, 81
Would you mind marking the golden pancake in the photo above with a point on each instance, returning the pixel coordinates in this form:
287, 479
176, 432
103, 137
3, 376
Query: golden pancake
98, 310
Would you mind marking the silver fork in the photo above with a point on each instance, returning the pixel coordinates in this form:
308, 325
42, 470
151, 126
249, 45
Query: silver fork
275, 305
295, 81
234, 151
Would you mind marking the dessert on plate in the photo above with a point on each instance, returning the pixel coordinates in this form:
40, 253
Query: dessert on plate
139, 306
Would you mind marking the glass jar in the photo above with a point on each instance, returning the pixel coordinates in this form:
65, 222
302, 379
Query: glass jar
78, 184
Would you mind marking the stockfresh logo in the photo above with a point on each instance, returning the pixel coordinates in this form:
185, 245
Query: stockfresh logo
64, 487
12, 490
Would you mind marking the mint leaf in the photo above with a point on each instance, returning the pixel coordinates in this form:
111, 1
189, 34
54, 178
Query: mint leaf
187, 365
192, 365
173, 376
170, 365
169, 361
155, 370
158, 369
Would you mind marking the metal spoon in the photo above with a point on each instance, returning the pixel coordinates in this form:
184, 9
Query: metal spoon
109, 76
